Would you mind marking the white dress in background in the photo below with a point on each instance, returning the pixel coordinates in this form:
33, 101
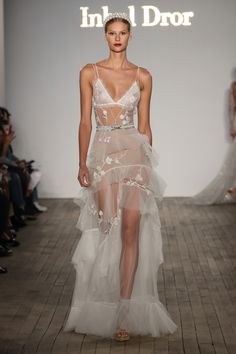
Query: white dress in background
217, 190
116, 287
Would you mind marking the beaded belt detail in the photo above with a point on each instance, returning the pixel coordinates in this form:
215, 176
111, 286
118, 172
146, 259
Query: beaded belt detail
115, 126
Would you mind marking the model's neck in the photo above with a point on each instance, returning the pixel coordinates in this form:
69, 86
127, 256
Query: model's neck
117, 60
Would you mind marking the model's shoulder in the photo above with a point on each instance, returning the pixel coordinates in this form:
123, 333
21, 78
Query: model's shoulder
145, 73
145, 77
87, 69
87, 73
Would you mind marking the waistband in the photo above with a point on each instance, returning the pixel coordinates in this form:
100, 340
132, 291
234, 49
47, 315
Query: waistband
114, 126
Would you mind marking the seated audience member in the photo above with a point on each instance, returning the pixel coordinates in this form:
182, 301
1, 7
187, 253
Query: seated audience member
4, 213
18, 189
24, 178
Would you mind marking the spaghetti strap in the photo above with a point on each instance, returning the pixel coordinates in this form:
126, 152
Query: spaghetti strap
96, 70
137, 75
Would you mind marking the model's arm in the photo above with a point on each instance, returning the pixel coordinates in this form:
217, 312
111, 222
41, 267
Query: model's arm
85, 126
144, 104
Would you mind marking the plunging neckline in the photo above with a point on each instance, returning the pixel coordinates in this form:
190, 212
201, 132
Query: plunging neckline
108, 93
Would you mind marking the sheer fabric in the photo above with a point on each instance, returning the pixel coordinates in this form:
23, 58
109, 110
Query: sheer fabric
216, 191
120, 249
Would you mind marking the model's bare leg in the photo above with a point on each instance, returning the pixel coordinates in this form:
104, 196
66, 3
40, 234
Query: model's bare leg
128, 262
130, 251
107, 204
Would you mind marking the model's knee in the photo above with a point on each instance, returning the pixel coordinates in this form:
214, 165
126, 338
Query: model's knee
130, 235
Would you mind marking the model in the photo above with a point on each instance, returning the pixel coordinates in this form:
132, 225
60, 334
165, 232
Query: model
120, 250
222, 188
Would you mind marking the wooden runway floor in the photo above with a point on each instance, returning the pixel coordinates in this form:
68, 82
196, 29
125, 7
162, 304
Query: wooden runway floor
197, 283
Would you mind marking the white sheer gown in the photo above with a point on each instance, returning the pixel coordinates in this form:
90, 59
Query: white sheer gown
120, 250
216, 191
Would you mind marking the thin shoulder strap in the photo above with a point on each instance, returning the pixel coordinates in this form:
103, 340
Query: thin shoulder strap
137, 75
96, 70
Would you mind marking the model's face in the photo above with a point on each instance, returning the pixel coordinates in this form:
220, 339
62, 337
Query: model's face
117, 36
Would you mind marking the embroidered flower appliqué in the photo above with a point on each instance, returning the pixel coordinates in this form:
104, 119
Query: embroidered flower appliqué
138, 177
132, 99
105, 139
104, 114
108, 160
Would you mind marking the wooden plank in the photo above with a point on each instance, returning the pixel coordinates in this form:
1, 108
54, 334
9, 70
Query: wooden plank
196, 282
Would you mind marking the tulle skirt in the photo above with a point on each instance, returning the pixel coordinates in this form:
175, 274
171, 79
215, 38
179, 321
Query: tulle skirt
120, 249
216, 191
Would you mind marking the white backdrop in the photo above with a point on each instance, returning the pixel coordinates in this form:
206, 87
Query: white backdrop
192, 68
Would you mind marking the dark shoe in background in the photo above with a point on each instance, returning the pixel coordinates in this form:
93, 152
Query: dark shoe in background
5, 251
3, 270
8, 240
18, 221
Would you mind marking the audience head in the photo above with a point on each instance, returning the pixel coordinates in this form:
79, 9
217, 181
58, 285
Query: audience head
4, 115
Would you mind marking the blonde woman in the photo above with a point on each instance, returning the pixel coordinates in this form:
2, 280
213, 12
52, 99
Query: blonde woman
120, 250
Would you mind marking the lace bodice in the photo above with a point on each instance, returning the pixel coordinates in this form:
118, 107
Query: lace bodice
114, 112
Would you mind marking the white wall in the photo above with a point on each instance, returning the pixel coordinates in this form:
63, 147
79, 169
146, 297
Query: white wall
192, 68
2, 74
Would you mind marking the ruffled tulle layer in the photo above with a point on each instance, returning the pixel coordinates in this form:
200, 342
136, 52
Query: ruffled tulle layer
130, 197
141, 175
216, 191
96, 307
100, 318
123, 182
126, 144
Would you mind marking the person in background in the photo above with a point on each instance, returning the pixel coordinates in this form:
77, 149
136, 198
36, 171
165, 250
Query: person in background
232, 118
223, 187
24, 178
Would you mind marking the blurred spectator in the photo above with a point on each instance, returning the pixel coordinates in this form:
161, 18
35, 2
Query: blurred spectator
25, 198
223, 187
18, 189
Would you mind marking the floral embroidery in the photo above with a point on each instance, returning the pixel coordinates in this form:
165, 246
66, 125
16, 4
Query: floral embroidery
105, 225
124, 117
135, 182
99, 172
108, 160
105, 139
97, 175
138, 177
104, 114
92, 209
132, 99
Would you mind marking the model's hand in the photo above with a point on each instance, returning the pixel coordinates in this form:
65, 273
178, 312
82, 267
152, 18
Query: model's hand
8, 138
83, 176
21, 164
